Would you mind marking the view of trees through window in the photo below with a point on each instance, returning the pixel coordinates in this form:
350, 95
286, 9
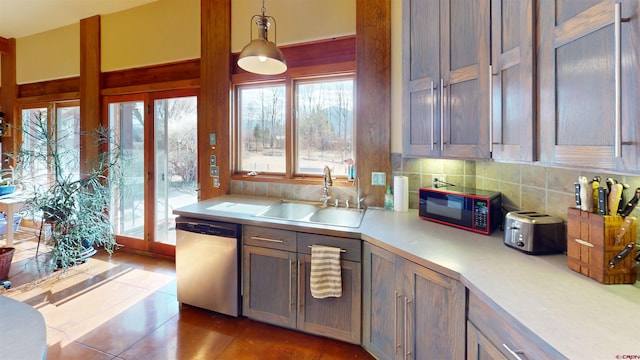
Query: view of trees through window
65, 128
325, 125
262, 119
322, 119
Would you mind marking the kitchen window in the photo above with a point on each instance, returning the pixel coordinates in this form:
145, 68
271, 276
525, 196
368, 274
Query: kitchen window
317, 132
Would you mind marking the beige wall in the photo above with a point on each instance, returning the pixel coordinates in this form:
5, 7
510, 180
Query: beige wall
169, 30
296, 20
49, 55
160, 32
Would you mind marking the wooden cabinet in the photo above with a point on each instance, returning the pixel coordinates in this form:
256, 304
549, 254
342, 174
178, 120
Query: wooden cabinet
269, 275
493, 334
512, 82
409, 311
446, 78
277, 265
588, 94
479, 347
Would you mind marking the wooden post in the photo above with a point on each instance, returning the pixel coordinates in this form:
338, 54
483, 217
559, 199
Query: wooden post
213, 104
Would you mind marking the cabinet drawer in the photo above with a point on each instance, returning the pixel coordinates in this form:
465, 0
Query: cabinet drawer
352, 247
504, 331
269, 238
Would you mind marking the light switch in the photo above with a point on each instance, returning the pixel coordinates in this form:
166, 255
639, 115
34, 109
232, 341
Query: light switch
212, 139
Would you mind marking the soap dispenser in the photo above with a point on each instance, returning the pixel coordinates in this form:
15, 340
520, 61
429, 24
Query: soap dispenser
388, 199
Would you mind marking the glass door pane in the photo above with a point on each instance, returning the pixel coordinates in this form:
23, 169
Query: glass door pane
68, 141
126, 119
176, 160
34, 126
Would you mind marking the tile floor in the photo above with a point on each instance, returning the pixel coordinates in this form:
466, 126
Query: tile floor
125, 307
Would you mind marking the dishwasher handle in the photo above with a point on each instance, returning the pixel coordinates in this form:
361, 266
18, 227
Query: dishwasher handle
208, 228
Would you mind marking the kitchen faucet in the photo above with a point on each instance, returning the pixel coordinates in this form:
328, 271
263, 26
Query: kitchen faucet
326, 174
359, 197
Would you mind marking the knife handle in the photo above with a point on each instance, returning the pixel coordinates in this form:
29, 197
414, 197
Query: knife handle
621, 255
631, 204
602, 201
577, 187
586, 203
614, 198
595, 185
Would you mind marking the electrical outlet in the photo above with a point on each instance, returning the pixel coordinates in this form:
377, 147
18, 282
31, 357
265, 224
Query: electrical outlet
378, 179
438, 180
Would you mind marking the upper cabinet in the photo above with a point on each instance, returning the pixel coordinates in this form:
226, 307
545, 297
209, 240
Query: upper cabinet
588, 83
512, 83
446, 78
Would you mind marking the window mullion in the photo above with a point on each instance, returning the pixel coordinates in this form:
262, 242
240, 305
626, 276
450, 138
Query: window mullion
290, 128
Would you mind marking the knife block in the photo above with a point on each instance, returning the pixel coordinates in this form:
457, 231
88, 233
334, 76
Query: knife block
590, 246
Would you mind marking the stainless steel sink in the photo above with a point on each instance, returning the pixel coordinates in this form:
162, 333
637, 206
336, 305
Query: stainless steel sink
310, 212
289, 210
338, 216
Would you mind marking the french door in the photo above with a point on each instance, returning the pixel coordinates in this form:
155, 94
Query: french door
157, 135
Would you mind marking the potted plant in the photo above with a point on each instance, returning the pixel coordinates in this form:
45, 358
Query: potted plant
72, 205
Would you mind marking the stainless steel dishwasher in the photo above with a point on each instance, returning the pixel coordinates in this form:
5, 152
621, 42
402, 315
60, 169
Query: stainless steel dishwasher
208, 265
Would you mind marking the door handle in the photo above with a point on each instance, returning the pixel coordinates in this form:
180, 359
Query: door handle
442, 107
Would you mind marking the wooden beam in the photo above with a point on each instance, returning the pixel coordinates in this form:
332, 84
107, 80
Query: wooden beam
373, 79
90, 86
8, 96
4, 46
213, 103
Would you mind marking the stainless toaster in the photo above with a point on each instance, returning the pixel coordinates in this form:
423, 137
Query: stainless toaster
535, 233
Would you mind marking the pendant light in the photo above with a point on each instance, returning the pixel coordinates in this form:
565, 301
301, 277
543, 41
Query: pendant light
261, 56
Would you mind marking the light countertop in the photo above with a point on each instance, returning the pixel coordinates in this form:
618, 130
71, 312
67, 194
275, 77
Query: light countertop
576, 315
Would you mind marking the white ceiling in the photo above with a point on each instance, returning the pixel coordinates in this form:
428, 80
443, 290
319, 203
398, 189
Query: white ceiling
19, 18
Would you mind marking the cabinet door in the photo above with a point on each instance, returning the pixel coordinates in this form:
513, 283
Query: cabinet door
512, 110
421, 77
479, 347
464, 49
380, 335
434, 313
338, 318
582, 123
269, 278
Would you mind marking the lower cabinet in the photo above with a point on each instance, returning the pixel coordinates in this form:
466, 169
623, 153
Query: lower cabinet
479, 347
493, 334
409, 311
276, 269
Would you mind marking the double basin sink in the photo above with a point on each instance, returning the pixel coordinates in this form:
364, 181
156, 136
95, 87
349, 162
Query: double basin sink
313, 213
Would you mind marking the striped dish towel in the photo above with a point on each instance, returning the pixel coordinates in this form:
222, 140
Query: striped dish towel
326, 277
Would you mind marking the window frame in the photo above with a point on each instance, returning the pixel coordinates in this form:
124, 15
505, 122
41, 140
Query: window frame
52, 108
289, 79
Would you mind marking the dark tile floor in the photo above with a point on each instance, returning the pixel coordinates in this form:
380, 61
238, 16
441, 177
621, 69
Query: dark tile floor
125, 307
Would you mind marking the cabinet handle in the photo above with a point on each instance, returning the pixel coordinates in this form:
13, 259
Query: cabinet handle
491, 108
301, 291
260, 238
395, 320
407, 348
441, 115
515, 353
617, 146
433, 113
291, 299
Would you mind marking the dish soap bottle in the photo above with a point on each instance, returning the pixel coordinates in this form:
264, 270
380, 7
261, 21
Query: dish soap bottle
388, 199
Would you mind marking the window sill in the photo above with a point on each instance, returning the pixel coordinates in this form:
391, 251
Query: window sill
299, 180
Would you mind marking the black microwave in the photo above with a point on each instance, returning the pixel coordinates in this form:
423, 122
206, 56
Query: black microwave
466, 208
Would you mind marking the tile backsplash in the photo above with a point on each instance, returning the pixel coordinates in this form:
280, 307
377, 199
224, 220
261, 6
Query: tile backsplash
548, 190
